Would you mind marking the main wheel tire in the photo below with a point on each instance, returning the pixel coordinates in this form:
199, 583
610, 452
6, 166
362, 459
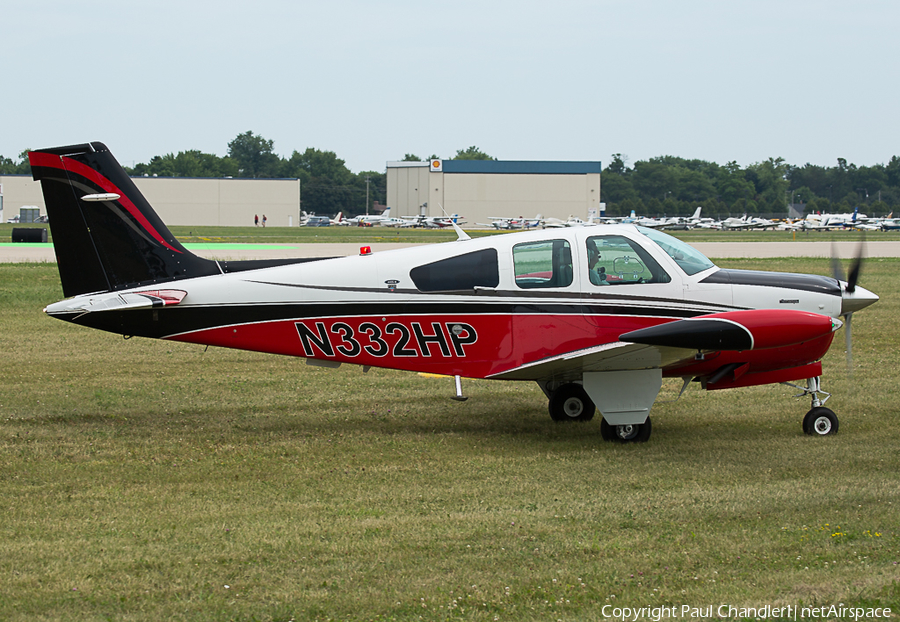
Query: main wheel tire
820, 421
632, 433
570, 402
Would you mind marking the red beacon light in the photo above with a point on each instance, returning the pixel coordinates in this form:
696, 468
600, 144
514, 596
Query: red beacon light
365, 250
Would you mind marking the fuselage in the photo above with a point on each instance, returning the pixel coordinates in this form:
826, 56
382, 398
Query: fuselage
474, 308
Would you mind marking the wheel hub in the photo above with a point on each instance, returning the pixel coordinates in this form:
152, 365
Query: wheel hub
822, 425
573, 407
625, 432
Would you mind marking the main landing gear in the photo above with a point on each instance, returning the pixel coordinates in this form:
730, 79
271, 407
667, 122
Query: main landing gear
570, 402
819, 421
632, 433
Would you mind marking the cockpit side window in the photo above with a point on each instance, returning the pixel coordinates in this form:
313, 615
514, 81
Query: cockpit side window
616, 260
547, 263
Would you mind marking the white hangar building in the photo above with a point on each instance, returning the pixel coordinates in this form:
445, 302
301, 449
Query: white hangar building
479, 189
474, 189
185, 200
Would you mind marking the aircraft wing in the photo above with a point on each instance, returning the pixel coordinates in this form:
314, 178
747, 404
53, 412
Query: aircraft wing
679, 341
616, 356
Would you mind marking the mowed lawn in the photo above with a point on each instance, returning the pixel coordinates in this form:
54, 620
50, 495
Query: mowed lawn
145, 480
211, 234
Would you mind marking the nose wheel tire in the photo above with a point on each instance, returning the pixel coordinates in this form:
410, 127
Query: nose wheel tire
820, 421
632, 433
570, 402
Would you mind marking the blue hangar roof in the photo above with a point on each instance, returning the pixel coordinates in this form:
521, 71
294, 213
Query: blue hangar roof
520, 167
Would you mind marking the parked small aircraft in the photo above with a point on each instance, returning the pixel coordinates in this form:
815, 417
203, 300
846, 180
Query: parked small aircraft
430, 222
890, 223
559, 223
311, 220
833, 221
505, 223
746, 222
369, 220
597, 316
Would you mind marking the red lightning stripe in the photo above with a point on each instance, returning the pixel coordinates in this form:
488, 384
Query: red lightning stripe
68, 164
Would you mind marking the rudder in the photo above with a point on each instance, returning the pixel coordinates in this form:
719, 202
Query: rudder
105, 234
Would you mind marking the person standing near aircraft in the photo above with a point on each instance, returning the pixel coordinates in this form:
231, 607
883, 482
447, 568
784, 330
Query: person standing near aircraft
264, 220
255, 220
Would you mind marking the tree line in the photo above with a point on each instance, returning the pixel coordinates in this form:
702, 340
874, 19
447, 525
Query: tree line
673, 186
665, 185
327, 186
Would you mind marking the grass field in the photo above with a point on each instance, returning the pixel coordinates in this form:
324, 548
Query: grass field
145, 480
303, 235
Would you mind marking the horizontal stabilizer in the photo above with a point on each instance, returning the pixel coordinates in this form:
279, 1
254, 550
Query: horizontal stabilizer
111, 301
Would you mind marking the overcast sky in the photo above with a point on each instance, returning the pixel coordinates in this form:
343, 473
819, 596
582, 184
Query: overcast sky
719, 80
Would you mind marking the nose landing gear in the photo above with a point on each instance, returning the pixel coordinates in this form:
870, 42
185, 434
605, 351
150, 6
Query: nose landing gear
819, 421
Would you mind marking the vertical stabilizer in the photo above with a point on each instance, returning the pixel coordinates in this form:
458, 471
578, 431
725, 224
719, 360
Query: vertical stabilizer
105, 234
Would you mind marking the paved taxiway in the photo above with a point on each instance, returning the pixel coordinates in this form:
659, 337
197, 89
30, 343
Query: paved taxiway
17, 253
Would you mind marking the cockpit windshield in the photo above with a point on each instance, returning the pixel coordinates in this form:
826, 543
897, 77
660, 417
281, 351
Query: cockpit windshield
688, 258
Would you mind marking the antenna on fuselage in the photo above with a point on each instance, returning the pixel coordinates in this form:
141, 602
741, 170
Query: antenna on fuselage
460, 234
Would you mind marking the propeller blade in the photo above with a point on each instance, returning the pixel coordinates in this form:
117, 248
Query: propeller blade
853, 277
848, 335
837, 271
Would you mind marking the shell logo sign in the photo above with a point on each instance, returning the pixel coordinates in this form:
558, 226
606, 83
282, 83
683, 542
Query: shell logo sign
436, 166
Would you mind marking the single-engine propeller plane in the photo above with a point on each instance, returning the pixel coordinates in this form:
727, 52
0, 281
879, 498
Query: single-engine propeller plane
597, 316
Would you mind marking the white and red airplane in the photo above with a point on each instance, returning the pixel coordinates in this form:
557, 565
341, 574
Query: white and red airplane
597, 316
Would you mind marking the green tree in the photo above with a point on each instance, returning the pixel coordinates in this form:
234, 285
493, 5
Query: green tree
409, 157
733, 185
615, 185
9, 166
692, 185
842, 179
816, 178
892, 172
187, 164
617, 165
472, 153
326, 185
254, 156
653, 180
159, 166
771, 184
376, 191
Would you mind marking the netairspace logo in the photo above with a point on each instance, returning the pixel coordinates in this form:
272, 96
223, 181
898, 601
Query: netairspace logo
725, 612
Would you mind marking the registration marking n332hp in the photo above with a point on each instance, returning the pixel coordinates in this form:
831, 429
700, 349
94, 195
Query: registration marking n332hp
596, 315
380, 340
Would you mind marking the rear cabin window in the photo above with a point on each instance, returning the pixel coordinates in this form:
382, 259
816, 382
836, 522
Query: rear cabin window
547, 263
476, 269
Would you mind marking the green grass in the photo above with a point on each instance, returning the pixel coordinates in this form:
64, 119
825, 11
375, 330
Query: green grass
709, 235
145, 480
293, 235
305, 235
